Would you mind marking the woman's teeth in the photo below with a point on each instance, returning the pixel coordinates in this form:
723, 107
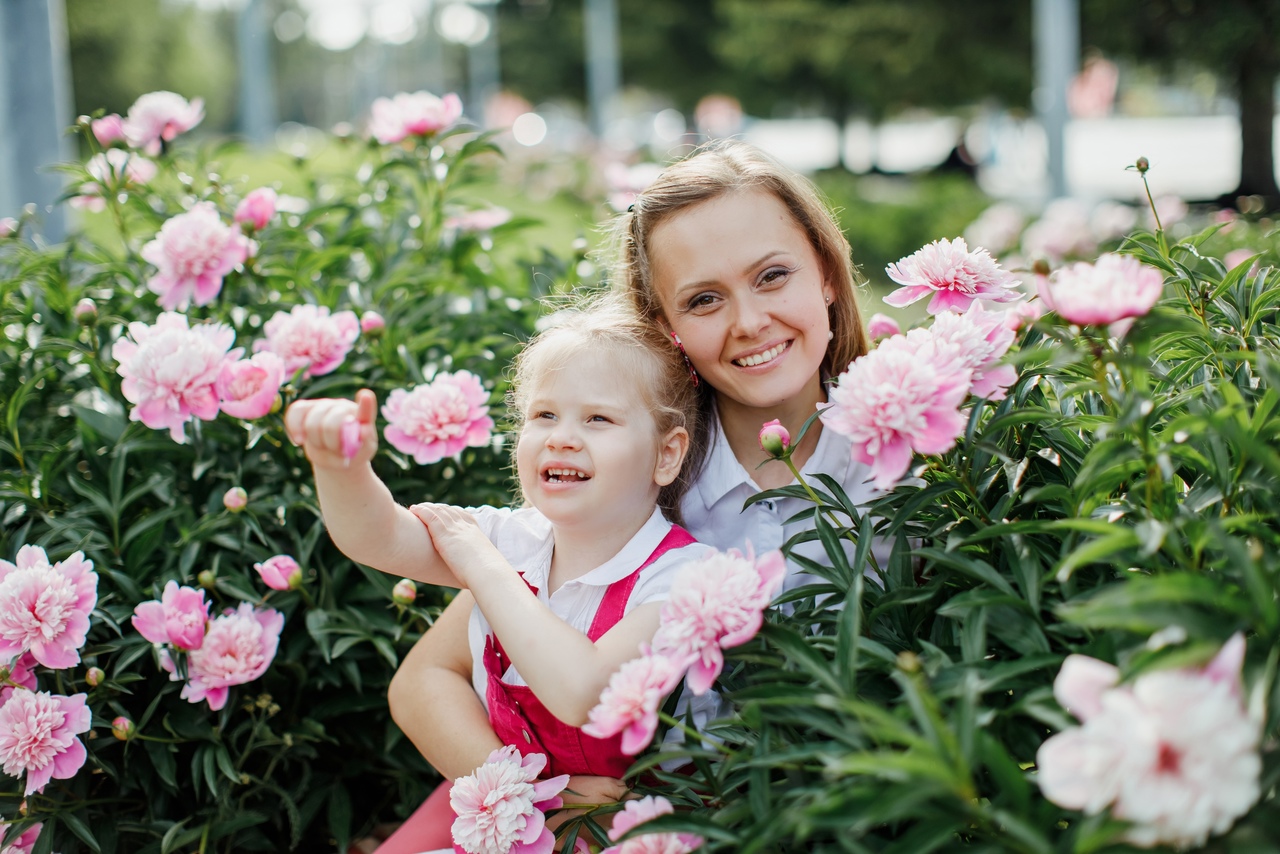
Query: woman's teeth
761, 358
557, 475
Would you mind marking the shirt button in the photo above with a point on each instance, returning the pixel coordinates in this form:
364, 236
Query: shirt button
528, 739
770, 506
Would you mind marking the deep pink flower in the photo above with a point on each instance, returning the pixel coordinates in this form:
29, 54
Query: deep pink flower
44, 608
500, 805
108, 130
882, 326
25, 842
438, 419
371, 323
170, 370
248, 388
309, 337
21, 672
639, 811
982, 338
953, 275
416, 114
179, 618
235, 499
112, 170
774, 438
1114, 288
238, 648
280, 572
160, 116
1174, 752
257, 208
192, 253
630, 703
716, 603
897, 400
481, 220
38, 736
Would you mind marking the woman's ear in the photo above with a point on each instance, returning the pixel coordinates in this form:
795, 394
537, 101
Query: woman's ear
671, 453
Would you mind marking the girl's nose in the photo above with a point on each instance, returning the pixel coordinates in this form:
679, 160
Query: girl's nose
564, 435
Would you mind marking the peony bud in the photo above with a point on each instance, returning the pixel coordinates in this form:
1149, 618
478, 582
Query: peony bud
404, 592
882, 326
207, 579
122, 728
908, 661
94, 676
1143, 165
108, 130
235, 499
8, 226
257, 208
774, 439
371, 323
1040, 267
86, 312
280, 572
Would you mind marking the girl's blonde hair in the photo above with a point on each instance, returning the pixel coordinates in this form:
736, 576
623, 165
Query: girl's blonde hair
723, 167
640, 351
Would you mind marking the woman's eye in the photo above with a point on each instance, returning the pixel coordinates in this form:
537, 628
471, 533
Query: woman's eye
775, 275
701, 301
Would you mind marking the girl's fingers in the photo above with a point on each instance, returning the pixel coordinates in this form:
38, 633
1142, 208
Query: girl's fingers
366, 406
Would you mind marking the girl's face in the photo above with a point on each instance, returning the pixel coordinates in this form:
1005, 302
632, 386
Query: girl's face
589, 453
741, 285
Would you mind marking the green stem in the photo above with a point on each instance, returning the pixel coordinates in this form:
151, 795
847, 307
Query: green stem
697, 737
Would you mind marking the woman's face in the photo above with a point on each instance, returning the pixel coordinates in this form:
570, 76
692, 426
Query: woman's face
741, 285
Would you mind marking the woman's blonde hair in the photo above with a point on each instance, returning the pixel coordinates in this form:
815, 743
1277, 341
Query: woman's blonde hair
709, 172
606, 325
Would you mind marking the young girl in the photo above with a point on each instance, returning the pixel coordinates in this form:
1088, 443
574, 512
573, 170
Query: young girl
569, 586
740, 263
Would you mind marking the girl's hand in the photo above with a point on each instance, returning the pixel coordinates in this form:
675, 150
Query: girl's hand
583, 789
457, 538
335, 433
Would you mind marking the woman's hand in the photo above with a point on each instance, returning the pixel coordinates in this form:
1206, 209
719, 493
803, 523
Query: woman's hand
335, 433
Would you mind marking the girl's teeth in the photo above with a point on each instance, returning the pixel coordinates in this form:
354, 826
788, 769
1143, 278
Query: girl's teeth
761, 358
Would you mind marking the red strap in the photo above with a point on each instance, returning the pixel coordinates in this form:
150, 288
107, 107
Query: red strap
614, 605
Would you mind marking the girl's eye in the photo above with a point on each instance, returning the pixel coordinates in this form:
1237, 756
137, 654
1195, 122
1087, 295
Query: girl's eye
599, 419
545, 414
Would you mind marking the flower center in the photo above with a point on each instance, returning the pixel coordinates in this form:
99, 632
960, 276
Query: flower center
1168, 759
35, 604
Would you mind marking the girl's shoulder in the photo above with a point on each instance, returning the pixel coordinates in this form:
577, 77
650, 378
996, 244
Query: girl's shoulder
522, 529
656, 580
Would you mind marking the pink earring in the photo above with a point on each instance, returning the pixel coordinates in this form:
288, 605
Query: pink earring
692, 373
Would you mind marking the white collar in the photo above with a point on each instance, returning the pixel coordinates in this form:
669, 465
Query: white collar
622, 564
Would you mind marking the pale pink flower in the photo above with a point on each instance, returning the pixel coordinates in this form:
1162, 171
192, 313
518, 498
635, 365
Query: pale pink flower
108, 130
8, 226
25, 841
309, 337
280, 572
160, 116
235, 499
882, 326
953, 275
1112, 220
1236, 257
716, 603
247, 388
997, 228
1114, 288
1024, 313
982, 338
21, 672
257, 208
192, 253
416, 114
1063, 231
774, 438
639, 811
38, 736
1172, 209
179, 618
438, 419
45, 608
627, 182
481, 220
170, 370
629, 703
112, 170
238, 648
1174, 752
500, 806
900, 398
372, 323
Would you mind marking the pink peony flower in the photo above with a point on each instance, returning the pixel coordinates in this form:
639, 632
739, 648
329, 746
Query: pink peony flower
192, 253
371, 323
179, 618
417, 114
170, 371
237, 648
1024, 313
108, 130
1174, 752
1062, 231
982, 338
235, 499
1115, 288
112, 170
900, 398
500, 805
952, 274
997, 228
257, 208
158, 117
629, 704
438, 419
248, 388
280, 572
639, 811
882, 326
25, 842
481, 220
774, 438
716, 603
44, 608
309, 337
38, 736
349, 436
22, 672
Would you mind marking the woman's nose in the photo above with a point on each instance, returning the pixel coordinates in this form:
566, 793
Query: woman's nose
750, 316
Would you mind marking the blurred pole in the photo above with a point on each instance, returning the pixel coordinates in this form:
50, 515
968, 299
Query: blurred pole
35, 109
1057, 58
604, 64
258, 115
483, 70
